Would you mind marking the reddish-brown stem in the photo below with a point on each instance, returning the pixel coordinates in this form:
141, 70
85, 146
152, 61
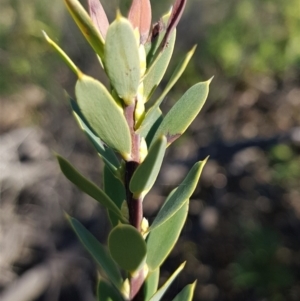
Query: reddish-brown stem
138, 283
135, 206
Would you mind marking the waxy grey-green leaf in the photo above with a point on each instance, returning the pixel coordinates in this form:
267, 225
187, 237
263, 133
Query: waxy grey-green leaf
153, 129
97, 251
88, 187
103, 115
85, 24
146, 173
175, 17
127, 247
187, 293
161, 240
183, 112
105, 292
153, 45
160, 293
151, 284
121, 59
157, 69
180, 196
154, 113
97, 143
154, 118
63, 56
106, 153
174, 78
115, 190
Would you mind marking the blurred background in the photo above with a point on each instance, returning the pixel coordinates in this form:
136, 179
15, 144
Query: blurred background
242, 237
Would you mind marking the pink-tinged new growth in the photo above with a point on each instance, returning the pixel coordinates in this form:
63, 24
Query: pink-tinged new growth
140, 17
98, 16
175, 17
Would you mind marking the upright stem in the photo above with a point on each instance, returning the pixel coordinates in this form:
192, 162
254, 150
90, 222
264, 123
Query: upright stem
135, 206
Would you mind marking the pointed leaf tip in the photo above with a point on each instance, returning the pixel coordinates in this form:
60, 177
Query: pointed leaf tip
154, 112
180, 196
183, 112
98, 16
140, 15
86, 25
187, 293
176, 15
118, 15
160, 293
63, 55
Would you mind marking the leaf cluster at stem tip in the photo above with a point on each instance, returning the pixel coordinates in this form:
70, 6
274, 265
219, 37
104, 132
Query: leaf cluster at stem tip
131, 138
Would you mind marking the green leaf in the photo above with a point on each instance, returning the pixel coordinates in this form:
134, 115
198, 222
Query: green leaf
175, 17
146, 173
187, 293
106, 153
104, 115
127, 247
63, 56
180, 196
151, 284
153, 116
85, 24
97, 251
115, 190
153, 129
157, 69
161, 240
183, 112
88, 187
106, 292
121, 59
174, 77
152, 119
153, 45
159, 294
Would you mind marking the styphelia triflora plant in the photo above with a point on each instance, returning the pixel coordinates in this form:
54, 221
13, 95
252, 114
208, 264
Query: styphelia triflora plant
131, 140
